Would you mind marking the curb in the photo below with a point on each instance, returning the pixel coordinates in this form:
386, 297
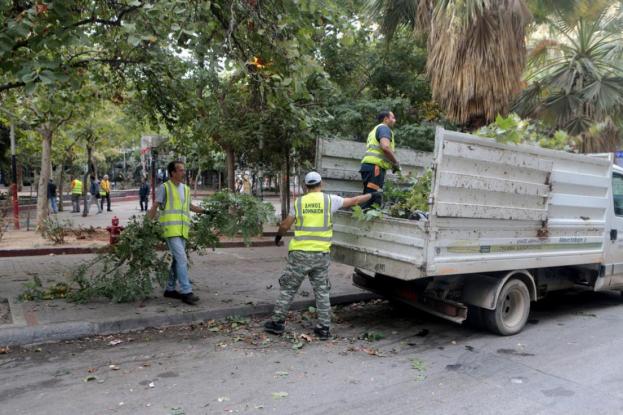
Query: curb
22, 336
8, 253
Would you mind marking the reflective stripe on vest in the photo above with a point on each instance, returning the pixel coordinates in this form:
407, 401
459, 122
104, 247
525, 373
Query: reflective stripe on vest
175, 218
313, 228
374, 152
77, 189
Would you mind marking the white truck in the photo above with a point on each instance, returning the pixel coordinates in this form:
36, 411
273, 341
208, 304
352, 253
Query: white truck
507, 224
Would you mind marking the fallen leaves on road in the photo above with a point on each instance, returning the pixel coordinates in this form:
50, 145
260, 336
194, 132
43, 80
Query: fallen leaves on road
418, 365
280, 395
115, 342
4, 350
114, 367
281, 374
372, 336
373, 352
223, 399
90, 378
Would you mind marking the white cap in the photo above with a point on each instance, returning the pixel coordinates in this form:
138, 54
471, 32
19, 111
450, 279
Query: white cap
312, 178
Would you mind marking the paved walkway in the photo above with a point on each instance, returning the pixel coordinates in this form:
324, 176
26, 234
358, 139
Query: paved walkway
237, 281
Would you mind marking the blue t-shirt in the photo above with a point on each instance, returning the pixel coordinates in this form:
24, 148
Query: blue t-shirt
383, 132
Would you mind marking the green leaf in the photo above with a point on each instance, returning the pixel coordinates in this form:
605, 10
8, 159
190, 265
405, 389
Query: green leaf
133, 40
280, 395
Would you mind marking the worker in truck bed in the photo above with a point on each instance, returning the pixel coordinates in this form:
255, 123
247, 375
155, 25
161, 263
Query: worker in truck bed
379, 155
309, 252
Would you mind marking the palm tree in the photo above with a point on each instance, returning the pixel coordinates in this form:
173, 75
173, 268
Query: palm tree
476, 51
576, 76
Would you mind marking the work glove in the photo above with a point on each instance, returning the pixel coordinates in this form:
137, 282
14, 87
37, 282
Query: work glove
277, 239
396, 168
377, 198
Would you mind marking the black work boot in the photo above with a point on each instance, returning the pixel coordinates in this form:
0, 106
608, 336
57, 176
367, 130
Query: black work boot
322, 332
172, 294
190, 298
275, 327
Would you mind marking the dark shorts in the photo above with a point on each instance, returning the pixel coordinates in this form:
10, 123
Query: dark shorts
373, 177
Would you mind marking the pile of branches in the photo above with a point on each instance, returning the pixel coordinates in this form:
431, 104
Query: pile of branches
134, 266
405, 199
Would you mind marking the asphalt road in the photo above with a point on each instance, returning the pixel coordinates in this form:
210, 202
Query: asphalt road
382, 361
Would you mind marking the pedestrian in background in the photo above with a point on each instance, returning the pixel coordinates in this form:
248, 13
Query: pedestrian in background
76, 192
94, 191
143, 194
105, 193
52, 196
308, 252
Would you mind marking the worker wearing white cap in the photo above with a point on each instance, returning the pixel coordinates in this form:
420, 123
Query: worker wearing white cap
309, 252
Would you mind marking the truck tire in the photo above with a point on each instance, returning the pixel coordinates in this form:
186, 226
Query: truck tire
511, 310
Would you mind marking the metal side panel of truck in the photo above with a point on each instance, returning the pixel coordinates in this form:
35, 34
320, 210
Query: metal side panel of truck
507, 224
493, 207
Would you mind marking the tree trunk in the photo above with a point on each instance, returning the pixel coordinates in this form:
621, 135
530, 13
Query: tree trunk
61, 177
231, 168
197, 180
44, 177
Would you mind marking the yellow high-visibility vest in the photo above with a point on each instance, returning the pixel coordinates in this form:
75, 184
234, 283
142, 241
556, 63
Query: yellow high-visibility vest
175, 218
76, 188
105, 185
374, 152
313, 228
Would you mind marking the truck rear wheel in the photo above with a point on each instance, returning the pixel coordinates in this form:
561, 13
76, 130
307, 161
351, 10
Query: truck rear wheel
511, 310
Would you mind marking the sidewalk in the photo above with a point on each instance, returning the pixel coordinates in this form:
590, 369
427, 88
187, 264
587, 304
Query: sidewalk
236, 281
123, 210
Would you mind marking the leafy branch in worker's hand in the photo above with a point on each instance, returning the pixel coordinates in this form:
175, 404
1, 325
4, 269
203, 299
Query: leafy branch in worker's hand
229, 214
134, 266
407, 198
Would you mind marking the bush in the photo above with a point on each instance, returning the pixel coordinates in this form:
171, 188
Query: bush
55, 230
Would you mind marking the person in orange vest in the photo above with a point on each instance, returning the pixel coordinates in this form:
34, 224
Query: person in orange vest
105, 193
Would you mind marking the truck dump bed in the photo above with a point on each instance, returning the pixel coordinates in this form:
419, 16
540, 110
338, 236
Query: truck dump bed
493, 207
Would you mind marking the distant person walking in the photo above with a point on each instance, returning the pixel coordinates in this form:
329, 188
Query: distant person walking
143, 194
105, 193
94, 191
76, 192
52, 196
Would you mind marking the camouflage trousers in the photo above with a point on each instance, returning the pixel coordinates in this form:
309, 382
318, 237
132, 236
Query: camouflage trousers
300, 264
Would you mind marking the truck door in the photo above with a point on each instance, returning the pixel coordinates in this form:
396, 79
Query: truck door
614, 235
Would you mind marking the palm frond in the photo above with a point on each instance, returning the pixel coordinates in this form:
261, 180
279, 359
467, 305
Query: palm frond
476, 56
